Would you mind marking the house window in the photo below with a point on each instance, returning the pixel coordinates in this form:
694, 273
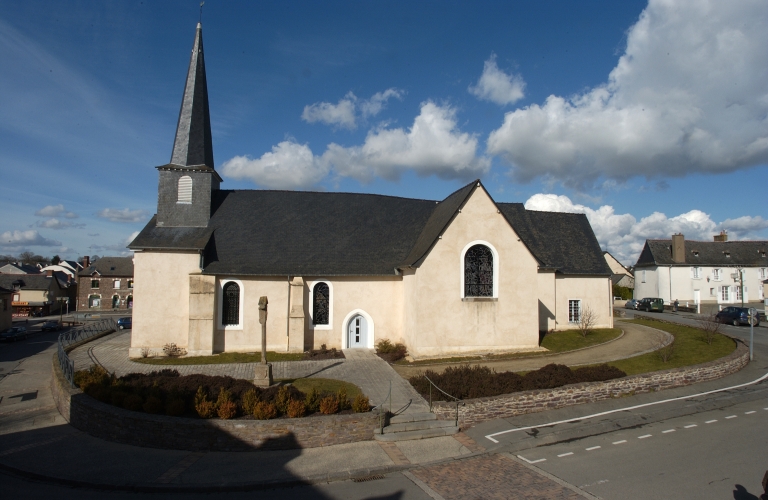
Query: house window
574, 311
763, 273
696, 273
117, 284
129, 302
185, 189
737, 293
478, 272
230, 311
320, 304
712, 292
727, 255
94, 301
115, 302
16, 297
695, 253
724, 293
5, 304
130, 283
94, 283
642, 276
717, 274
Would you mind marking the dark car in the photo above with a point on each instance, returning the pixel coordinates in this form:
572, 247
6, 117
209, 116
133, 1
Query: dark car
124, 323
736, 316
14, 333
631, 304
650, 304
50, 326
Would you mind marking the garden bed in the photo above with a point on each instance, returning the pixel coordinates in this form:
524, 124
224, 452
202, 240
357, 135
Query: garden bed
241, 357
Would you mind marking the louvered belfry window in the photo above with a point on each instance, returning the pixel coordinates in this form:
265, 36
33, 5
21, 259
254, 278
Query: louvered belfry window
231, 304
478, 272
320, 304
185, 189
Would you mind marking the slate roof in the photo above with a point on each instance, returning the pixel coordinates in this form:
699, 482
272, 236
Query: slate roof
110, 266
710, 253
31, 281
17, 268
294, 233
561, 241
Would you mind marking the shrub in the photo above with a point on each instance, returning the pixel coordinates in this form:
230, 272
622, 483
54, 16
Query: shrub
248, 401
175, 407
93, 375
264, 410
282, 399
174, 351
313, 400
153, 404
296, 409
133, 402
203, 406
598, 373
341, 397
329, 405
225, 407
361, 404
118, 398
390, 352
99, 392
145, 352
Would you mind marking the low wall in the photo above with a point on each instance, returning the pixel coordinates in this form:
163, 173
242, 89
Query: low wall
157, 431
479, 410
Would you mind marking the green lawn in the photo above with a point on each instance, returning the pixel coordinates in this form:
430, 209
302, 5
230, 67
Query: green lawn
690, 349
323, 385
570, 340
223, 358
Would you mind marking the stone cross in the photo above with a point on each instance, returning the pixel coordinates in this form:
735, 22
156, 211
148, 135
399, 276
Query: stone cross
263, 320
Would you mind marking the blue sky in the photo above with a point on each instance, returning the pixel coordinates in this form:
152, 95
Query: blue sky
651, 118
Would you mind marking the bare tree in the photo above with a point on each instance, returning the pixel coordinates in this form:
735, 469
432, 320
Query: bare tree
664, 350
710, 327
587, 320
27, 257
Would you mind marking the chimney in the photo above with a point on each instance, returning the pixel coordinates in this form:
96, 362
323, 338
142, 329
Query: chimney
86, 261
49, 273
678, 248
723, 236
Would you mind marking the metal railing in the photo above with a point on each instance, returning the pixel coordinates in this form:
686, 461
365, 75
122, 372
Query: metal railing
458, 401
383, 412
77, 335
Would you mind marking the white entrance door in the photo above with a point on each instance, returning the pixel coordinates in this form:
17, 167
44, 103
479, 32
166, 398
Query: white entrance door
357, 332
696, 296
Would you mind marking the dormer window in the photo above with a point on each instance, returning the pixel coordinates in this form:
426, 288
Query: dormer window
695, 253
185, 190
727, 255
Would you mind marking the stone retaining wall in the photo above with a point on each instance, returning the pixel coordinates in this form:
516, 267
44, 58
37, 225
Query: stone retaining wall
519, 403
157, 431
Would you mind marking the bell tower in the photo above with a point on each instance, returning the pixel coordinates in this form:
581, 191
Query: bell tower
187, 183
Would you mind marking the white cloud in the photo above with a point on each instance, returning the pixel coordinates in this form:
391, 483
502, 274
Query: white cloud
118, 249
123, 215
624, 236
496, 86
56, 211
433, 145
689, 95
344, 113
288, 166
16, 239
57, 224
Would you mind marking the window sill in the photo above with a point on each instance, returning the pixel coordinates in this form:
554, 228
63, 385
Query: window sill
183, 202
479, 299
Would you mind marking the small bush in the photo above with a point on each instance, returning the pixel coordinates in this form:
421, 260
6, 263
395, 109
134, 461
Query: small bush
390, 352
153, 404
598, 373
296, 409
341, 397
313, 400
361, 404
133, 402
175, 407
225, 407
174, 351
282, 399
264, 411
93, 375
118, 398
248, 401
204, 407
329, 405
145, 352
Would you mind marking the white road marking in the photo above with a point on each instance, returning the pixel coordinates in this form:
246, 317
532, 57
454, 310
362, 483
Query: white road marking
593, 448
532, 461
565, 454
689, 426
490, 437
620, 442
731, 416
749, 412
710, 421
668, 430
644, 436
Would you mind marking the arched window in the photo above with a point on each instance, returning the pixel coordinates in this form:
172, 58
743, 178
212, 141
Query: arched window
478, 272
230, 311
115, 302
185, 189
320, 304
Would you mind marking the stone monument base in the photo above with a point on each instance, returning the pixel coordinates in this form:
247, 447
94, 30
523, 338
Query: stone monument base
263, 375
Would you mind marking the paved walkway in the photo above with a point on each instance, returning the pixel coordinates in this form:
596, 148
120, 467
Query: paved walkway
361, 367
637, 339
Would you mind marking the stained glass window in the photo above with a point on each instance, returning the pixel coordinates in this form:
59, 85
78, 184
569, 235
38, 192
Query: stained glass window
478, 272
320, 304
231, 304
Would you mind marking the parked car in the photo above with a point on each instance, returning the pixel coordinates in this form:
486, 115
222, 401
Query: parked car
124, 323
631, 304
14, 333
651, 304
736, 316
50, 326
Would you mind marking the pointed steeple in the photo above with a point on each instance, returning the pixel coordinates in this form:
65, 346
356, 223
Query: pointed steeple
193, 146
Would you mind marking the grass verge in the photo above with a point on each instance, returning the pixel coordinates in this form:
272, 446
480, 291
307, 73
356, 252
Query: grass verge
324, 385
690, 349
223, 358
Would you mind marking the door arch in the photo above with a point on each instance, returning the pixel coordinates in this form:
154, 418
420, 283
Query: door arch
349, 333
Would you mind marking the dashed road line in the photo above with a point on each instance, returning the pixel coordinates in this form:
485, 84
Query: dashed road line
644, 436
689, 426
749, 412
565, 454
731, 416
593, 448
668, 430
620, 442
710, 421
531, 461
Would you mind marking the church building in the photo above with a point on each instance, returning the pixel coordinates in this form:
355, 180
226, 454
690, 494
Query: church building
460, 275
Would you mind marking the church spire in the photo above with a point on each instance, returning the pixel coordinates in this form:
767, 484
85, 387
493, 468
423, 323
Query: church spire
193, 146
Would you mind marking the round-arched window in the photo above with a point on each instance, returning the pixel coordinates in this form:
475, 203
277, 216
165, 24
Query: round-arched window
320, 304
478, 272
230, 311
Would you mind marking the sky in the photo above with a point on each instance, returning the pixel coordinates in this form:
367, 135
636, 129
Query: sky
649, 117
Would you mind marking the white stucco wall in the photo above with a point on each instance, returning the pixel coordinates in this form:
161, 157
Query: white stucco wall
683, 284
593, 292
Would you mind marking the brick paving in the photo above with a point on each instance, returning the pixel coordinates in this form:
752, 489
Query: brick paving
394, 453
490, 477
361, 367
